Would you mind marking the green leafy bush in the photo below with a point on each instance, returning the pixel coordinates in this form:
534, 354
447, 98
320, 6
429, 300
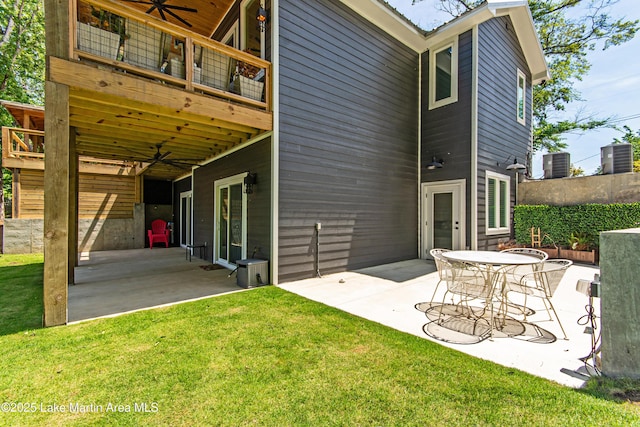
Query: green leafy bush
566, 225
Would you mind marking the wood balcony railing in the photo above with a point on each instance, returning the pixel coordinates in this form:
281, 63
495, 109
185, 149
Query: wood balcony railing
20, 144
125, 39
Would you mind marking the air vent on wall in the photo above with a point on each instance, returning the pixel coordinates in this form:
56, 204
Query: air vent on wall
616, 158
556, 165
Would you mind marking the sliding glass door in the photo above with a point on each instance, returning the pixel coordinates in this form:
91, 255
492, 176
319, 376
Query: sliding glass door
231, 220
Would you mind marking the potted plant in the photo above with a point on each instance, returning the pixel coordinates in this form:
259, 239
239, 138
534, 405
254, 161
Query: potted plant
247, 81
581, 248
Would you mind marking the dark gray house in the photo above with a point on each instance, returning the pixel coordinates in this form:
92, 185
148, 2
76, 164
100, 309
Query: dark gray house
328, 134
364, 103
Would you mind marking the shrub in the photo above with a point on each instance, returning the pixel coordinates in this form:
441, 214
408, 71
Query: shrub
566, 225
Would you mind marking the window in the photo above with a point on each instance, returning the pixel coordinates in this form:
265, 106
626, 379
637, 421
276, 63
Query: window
498, 203
521, 97
443, 75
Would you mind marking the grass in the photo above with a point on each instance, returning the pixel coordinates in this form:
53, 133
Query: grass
270, 358
21, 292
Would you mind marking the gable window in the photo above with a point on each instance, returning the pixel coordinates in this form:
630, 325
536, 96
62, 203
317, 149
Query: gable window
521, 96
498, 203
443, 75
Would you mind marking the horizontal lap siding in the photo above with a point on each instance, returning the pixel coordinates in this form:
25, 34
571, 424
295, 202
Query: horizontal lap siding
446, 131
348, 141
500, 135
99, 196
255, 158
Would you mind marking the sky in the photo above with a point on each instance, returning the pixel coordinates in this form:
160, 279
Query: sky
610, 89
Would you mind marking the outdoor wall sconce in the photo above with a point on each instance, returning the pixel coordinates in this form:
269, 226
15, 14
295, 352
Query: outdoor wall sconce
261, 17
249, 182
515, 166
435, 164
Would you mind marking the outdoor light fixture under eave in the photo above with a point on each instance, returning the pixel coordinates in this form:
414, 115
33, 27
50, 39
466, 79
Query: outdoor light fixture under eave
249, 182
261, 17
517, 167
435, 164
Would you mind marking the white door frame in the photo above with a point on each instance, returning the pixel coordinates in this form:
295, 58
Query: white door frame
244, 19
458, 190
217, 185
189, 238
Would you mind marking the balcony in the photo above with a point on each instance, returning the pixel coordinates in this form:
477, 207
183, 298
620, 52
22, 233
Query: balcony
139, 85
24, 149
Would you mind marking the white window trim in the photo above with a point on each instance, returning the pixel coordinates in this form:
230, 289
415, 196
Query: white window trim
234, 33
453, 44
523, 119
503, 229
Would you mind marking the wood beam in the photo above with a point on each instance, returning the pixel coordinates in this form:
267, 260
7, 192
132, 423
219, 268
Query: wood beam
57, 164
86, 77
57, 200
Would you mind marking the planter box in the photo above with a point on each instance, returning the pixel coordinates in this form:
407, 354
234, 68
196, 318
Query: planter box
97, 41
588, 257
552, 252
249, 88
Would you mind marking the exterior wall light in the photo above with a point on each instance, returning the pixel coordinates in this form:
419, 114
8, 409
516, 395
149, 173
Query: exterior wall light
261, 17
249, 182
435, 163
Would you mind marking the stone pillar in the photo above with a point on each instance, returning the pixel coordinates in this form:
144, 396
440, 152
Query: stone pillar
620, 303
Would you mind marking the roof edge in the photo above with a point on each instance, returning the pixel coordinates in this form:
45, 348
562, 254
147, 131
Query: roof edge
381, 14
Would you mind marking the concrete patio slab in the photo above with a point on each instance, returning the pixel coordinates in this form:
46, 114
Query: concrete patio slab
388, 294
113, 282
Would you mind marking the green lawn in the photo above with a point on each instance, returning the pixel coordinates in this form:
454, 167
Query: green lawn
263, 357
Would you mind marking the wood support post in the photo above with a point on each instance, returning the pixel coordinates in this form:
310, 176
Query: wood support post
58, 201
59, 173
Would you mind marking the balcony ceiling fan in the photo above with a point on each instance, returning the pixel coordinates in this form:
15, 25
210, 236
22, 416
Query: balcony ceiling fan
159, 157
163, 8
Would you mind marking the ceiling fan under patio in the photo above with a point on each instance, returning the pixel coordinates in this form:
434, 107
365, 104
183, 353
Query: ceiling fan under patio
159, 157
163, 8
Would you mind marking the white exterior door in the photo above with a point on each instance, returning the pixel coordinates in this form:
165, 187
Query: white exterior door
443, 215
231, 221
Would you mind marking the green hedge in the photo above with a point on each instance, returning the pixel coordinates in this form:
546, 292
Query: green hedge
558, 223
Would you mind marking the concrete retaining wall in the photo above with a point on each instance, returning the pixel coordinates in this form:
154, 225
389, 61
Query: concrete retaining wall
620, 302
26, 235
603, 189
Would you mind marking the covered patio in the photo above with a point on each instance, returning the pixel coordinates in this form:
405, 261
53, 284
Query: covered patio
115, 282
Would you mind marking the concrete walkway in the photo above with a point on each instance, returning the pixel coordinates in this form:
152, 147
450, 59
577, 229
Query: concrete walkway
388, 294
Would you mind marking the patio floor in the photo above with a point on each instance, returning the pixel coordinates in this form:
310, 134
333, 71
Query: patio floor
388, 295
114, 282
109, 283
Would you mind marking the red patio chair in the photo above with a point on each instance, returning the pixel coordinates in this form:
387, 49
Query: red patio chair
158, 233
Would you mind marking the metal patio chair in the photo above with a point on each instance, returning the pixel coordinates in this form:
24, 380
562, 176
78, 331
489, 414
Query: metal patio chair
442, 265
541, 283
